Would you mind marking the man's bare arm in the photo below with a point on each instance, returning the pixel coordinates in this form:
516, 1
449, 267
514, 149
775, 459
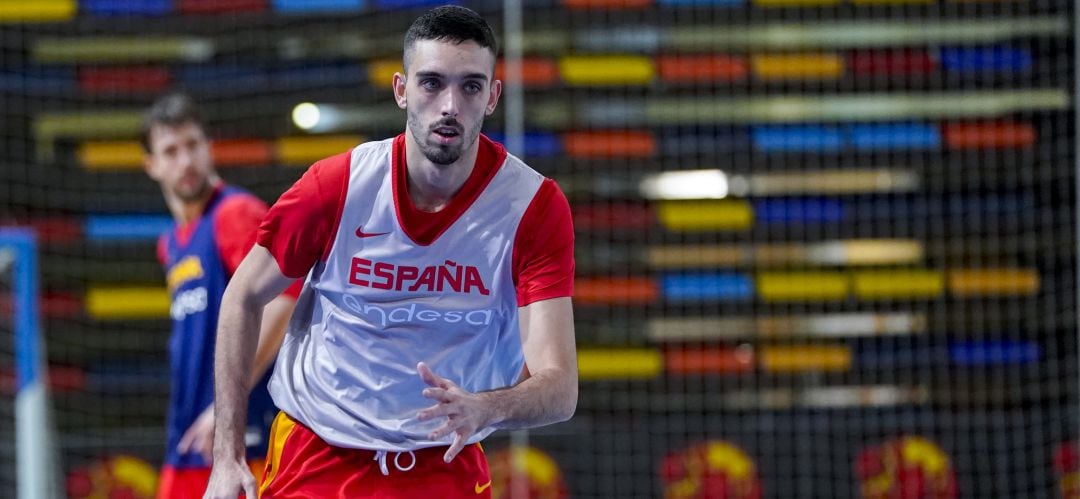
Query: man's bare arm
257, 281
548, 393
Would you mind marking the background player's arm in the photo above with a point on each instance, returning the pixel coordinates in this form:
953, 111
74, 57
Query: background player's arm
257, 281
199, 437
547, 394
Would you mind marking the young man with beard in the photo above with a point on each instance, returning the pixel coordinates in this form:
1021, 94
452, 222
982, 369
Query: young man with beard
215, 227
436, 306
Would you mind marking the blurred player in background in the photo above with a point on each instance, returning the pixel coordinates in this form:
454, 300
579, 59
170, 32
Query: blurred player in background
215, 227
437, 302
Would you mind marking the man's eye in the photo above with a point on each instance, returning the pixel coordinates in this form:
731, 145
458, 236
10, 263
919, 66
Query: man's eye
430, 84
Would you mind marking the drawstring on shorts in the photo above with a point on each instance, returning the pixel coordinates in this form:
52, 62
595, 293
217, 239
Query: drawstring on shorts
380, 456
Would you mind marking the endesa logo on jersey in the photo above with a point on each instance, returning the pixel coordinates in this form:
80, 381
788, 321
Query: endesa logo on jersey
446, 277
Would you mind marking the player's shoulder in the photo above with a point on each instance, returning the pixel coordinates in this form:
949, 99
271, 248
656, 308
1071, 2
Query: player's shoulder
520, 171
376, 152
236, 198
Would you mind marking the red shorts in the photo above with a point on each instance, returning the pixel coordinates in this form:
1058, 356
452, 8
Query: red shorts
190, 483
299, 464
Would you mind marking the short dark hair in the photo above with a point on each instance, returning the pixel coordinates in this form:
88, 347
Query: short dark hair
170, 110
450, 23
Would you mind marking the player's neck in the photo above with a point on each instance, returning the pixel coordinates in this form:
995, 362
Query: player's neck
185, 212
432, 186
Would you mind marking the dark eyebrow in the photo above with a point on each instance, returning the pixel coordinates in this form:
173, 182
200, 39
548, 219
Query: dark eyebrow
435, 74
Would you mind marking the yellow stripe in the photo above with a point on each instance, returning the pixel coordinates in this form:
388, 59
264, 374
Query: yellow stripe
982, 282
131, 49
806, 358
607, 70
788, 286
381, 72
699, 255
279, 434
809, 66
127, 302
112, 155
619, 363
12, 11
899, 284
83, 124
706, 215
303, 151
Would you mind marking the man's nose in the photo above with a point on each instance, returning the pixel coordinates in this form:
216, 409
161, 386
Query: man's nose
450, 103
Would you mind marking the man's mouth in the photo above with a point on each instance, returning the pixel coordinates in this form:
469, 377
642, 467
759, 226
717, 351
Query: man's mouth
447, 132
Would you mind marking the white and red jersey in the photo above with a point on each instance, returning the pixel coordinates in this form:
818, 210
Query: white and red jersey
389, 286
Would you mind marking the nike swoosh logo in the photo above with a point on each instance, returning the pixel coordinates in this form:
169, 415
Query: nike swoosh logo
480, 488
361, 234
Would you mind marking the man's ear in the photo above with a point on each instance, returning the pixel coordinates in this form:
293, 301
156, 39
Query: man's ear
148, 166
493, 97
399, 89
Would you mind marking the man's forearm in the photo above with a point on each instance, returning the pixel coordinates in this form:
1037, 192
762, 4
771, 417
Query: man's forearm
237, 337
544, 398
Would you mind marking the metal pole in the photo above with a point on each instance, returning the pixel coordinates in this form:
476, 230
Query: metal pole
514, 100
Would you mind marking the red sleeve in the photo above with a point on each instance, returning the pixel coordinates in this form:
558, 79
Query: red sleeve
299, 229
161, 250
543, 257
235, 224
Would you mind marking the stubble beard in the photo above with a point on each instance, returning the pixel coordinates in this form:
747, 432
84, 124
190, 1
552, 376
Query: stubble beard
440, 154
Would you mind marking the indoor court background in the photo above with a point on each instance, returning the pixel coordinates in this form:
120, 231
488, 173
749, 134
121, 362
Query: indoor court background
825, 248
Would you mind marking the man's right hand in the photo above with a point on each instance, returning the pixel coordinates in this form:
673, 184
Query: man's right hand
229, 478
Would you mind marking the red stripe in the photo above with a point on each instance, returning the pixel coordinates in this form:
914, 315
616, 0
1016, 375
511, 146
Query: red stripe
245, 152
615, 291
708, 360
610, 144
600, 217
220, 6
124, 79
701, 68
535, 72
988, 135
50, 229
891, 62
51, 305
61, 378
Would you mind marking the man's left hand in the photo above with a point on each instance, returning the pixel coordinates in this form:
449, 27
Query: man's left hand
465, 412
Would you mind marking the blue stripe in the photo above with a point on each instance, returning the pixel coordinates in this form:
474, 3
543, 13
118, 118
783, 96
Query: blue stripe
984, 353
894, 136
222, 79
693, 286
126, 7
125, 227
972, 209
28, 356
797, 138
800, 210
407, 4
537, 144
233, 79
985, 59
897, 353
317, 6
314, 74
689, 142
38, 81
